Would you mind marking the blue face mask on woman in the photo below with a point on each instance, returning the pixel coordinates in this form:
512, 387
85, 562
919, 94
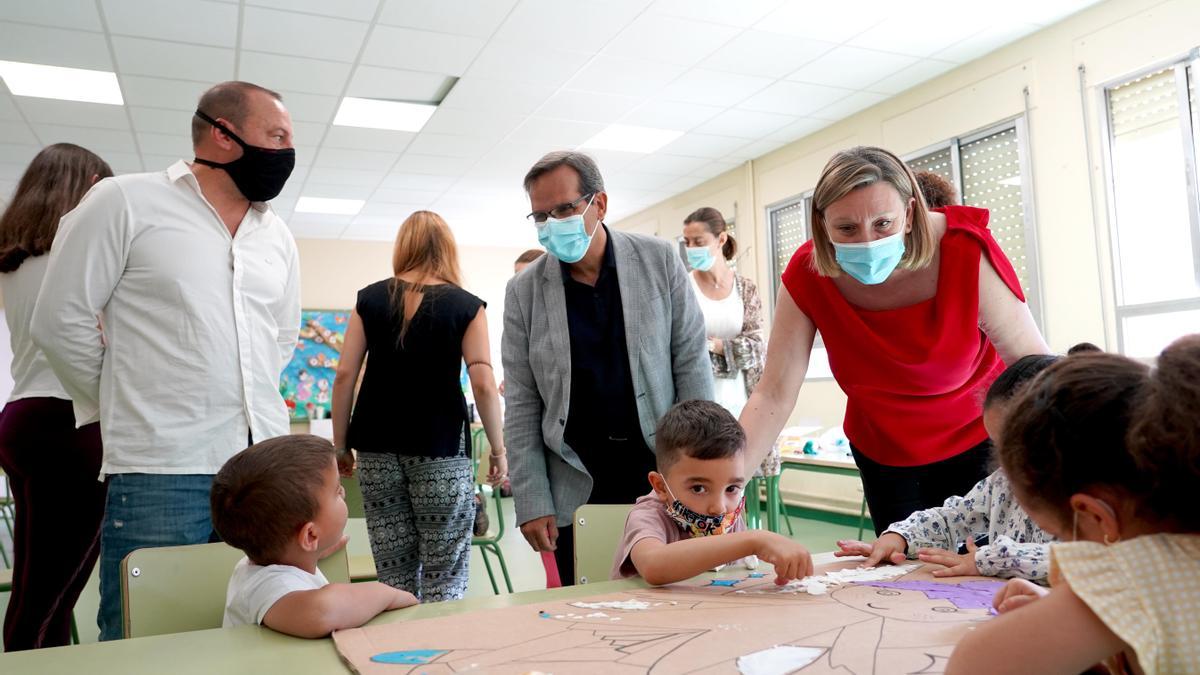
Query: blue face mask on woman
567, 239
700, 258
871, 262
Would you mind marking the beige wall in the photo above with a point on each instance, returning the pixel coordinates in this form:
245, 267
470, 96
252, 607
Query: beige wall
1109, 40
332, 272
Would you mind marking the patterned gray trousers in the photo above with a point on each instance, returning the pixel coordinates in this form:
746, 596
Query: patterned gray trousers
420, 512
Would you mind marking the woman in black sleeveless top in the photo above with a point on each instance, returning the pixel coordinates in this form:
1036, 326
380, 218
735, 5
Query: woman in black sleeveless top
409, 424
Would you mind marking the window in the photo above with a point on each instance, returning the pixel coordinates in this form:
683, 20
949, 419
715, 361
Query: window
788, 222
989, 169
1151, 126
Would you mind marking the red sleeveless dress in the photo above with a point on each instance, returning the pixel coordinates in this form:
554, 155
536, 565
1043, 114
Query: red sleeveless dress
914, 376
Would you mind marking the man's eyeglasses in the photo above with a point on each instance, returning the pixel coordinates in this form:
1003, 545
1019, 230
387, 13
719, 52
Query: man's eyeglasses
559, 212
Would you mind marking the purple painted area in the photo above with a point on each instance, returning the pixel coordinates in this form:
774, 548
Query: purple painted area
967, 595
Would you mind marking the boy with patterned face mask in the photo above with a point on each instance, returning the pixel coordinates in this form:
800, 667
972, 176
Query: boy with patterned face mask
691, 521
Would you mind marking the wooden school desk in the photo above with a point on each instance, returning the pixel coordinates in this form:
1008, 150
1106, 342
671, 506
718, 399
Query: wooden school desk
258, 651
251, 649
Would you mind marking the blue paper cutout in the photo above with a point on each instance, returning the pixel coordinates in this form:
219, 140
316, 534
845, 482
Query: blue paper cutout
411, 657
756, 575
724, 582
544, 615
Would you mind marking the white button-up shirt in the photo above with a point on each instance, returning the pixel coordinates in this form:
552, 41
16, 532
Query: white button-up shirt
198, 325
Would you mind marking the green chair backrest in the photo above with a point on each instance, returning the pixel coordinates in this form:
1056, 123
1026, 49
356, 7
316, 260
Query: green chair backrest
598, 530
354, 498
175, 589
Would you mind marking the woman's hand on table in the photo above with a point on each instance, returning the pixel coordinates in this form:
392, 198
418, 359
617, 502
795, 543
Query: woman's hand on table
889, 548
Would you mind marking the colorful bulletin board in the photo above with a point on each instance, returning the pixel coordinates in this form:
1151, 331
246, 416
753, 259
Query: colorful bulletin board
307, 382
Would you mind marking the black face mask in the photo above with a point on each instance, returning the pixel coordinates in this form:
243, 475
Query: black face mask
259, 173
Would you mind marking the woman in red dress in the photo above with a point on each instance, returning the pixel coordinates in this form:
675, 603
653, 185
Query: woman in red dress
919, 311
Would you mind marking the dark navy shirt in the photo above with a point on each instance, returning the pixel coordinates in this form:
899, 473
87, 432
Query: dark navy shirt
602, 419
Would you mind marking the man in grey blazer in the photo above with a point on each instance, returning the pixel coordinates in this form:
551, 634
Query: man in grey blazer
601, 337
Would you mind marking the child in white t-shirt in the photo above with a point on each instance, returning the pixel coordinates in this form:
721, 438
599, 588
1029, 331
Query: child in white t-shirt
281, 502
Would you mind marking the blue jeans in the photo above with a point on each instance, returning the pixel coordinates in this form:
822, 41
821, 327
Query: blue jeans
146, 511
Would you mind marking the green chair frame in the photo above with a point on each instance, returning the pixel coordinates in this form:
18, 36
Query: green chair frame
489, 544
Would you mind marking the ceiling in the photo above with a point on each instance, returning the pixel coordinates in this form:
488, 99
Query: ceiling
739, 78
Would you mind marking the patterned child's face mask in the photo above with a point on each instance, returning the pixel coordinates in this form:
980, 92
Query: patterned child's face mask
699, 524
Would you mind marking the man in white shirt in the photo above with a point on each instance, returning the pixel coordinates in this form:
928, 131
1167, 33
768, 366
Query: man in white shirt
196, 283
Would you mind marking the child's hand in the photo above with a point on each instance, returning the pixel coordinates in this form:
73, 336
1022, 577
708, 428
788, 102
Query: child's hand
403, 599
888, 548
1016, 594
957, 564
791, 560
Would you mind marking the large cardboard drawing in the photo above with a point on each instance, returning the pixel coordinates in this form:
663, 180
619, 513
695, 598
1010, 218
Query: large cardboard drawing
909, 624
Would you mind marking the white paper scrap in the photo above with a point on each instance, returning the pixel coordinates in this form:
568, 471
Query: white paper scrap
819, 585
613, 604
778, 660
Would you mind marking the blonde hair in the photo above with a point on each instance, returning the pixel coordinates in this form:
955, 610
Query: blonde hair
857, 168
424, 245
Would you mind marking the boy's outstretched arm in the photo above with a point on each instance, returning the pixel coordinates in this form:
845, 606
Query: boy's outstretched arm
659, 563
317, 613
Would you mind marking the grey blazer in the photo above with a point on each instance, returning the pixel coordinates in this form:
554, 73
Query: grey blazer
664, 332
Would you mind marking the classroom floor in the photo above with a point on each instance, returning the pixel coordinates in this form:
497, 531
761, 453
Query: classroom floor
524, 566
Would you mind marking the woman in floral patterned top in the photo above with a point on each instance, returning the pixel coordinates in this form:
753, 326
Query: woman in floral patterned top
994, 534
732, 314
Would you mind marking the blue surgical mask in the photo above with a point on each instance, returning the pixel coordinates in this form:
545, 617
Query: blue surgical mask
871, 262
567, 239
699, 524
700, 258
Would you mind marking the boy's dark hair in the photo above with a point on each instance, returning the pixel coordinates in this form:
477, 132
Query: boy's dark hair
697, 429
1083, 348
529, 256
936, 190
1016, 376
1164, 438
267, 492
1067, 429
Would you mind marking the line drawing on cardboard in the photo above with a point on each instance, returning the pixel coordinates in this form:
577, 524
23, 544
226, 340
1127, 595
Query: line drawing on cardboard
907, 625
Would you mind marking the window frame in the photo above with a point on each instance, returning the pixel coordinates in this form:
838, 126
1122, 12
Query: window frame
1184, 65
805, 199
1018, 123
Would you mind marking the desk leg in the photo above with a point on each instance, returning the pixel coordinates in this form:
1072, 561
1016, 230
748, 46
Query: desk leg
773, 503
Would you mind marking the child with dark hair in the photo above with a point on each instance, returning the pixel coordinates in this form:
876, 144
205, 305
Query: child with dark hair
1104, 452
984, 532
282, 503
698, 493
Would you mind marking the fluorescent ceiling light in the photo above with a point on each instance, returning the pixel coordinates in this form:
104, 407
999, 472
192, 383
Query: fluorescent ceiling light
378, 114
65, 84
631, 139
337, 207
